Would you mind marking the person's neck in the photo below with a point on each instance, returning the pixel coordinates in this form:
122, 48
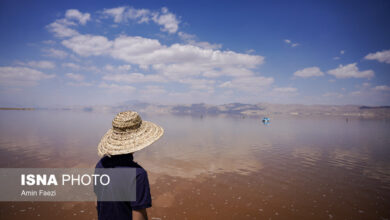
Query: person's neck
124, 156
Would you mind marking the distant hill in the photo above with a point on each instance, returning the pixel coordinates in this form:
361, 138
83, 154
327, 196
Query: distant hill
374, 107
242, 109
204, 109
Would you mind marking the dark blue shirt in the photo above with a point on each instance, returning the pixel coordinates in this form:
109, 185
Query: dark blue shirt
123, 210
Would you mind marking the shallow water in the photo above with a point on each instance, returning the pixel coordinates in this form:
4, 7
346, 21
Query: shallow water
225, 167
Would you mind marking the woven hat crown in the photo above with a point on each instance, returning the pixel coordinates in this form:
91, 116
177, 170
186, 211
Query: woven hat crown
126, 121
128, 134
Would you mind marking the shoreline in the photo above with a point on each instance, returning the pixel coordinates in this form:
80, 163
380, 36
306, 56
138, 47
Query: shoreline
26, 109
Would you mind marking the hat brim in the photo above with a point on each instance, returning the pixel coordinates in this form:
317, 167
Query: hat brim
115, 143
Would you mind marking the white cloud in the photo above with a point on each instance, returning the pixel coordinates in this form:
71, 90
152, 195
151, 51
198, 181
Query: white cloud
191, 39
124, 67
339, 57
192, 96
122, 14
365, 91
193, 63
175, 63
173, 60
56, 53
152, 90
355, 93
43, 64
199, 84
109, 67
71, 65
280, 93
350, 71
60, 28
290, 43
382, 88
285, 90
381, 56
251, 84
164, 18
79, 84
133, 78
91, 68
333, 94
250, 51
117, 13
186, 36
205, 45
178, 53
49, 42
21, 76
141, 15
168, 20
120, 68
74, 14
309, 72
86, 45
117, 87
137, 50
75, 76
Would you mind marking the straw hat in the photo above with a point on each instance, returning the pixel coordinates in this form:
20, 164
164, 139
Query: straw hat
128, 134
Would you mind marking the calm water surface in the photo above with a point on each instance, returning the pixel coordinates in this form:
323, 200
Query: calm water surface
218, 167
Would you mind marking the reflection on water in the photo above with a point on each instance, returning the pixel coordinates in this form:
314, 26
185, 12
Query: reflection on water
218, 167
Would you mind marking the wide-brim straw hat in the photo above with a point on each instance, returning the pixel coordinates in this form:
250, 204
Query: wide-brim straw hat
128, 134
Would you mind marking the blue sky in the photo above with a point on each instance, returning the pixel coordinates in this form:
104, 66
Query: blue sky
108, 52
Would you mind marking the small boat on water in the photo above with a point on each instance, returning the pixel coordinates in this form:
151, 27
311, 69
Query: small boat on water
265, 120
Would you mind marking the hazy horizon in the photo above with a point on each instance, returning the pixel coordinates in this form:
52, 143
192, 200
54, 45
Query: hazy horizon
135, 102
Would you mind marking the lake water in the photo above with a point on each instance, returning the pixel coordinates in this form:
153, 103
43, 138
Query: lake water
225, 167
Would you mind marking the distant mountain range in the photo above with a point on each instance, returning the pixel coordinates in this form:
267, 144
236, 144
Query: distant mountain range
245, 110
